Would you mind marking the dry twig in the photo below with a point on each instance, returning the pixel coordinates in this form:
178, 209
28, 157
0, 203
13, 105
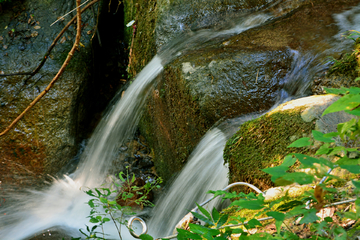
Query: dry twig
66, 62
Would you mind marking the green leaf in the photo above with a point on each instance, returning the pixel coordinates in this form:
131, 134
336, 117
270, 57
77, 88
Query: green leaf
103, 200
106, 219
319, 136
355, 111
324, 149
203, 211
299, 177
336, 91
276, 172
198, 229
309, 216
146, 237
94, 220
302, 142
357, 79
91, 203
346, 102
183, 234
121, 177
253, 223
331, 134
278, 226
328, 219
133, 178
278, 216
203, 218
289, 160
223, 220
249, 204
351, 168
215, 215
356, 184
289, 205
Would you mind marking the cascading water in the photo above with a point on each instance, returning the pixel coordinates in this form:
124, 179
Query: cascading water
62, 205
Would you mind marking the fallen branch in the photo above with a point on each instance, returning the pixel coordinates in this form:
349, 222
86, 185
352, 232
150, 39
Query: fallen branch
37, 69
66, 62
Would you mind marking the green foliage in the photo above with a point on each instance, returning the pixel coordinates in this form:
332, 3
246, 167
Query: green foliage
282, 210
105, 208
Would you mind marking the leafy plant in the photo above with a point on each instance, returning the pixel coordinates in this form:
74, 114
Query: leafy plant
105, 205
304, 209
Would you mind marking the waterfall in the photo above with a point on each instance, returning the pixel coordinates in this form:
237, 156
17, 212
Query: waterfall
63, 204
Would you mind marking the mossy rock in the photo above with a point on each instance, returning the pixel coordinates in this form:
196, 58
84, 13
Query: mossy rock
263, 142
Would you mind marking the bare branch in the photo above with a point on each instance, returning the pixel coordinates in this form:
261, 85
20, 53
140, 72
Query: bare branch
66, 62
37, 69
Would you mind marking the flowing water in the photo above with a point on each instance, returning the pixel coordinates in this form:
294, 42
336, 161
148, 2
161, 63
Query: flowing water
62, 205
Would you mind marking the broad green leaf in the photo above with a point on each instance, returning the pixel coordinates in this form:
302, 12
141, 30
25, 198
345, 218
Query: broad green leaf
183, 234
223, 219
299, 177
328, 219
306, 160
357, 79
351, 168
215, 215
289, 160
355, 111
324, 149
94, 220
220, 238
99, 218
103, 200
276, 172
278, 226
331, 134
319, 136
91, 203
356, 184
253, 223
309, 216
278, 216
203, 211
354, 90
346, 102
106, 219
252, 204
302, 142
336, 91
357, 207
198, 228
146, 237
237, 230
90, 193
203, 218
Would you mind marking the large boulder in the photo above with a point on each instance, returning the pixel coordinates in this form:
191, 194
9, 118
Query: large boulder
263, 142
48, 136
234, 75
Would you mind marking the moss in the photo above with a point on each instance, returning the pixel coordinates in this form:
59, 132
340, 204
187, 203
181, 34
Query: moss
262, 143
172, 124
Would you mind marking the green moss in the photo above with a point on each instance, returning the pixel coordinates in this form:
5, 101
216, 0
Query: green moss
172, 124
262, 143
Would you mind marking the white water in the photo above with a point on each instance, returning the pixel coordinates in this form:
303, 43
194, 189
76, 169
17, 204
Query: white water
203, 172
63, 204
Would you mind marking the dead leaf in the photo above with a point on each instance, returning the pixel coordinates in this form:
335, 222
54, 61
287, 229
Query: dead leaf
29, 21
37, 22
81, 44
1, 38
37, 27
34, 34
5, 46
60, 18
63, 39
1, 72
89, 32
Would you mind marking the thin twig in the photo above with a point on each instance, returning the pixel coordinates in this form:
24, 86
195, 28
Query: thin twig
66, 62
37, 69
68, 13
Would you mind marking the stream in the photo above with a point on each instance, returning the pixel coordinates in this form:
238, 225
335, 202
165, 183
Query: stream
63, 204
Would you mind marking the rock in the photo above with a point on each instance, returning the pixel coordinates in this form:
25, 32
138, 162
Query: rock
263, 142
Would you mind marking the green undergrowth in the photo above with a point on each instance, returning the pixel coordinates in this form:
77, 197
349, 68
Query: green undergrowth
262, 143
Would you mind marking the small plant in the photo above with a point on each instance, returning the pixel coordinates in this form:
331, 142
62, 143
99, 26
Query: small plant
304, 210
113, 205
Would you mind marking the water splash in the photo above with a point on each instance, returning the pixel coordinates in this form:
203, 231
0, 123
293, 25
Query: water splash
204, 171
